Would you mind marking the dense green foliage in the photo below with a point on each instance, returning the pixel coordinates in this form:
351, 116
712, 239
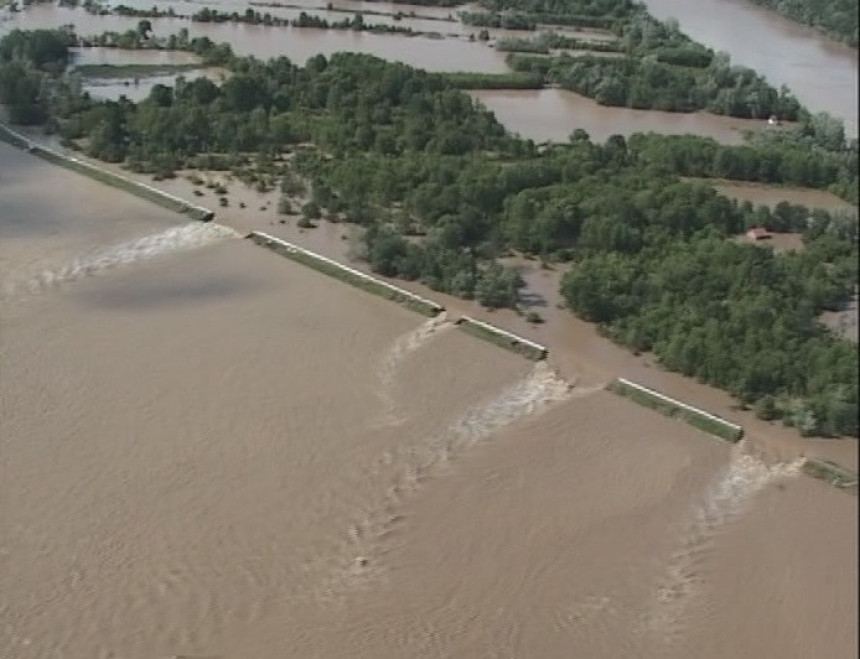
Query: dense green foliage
736, 316
511, 80
548, 41
443, 191
787, 158
583, 13
662, 70
836, 18
25, 60
507, 21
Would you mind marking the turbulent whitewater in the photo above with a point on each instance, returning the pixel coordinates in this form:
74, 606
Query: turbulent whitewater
406, 345
175, 239
725, 499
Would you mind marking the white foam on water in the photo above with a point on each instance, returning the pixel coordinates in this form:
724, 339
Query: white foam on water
403, 347
542, 387
359, 560
175, 239
727, 498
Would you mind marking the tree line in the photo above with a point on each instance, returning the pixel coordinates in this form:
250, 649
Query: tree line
836, 18
662, 69
444, 192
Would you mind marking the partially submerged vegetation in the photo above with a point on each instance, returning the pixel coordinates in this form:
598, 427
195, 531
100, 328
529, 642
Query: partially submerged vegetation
443, 192
831, 473
661, 68
835, 18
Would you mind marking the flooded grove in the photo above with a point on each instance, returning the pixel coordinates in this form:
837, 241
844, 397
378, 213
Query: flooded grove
822, 73
824, 78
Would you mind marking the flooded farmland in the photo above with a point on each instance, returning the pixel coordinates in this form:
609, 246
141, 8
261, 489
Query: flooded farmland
553, 114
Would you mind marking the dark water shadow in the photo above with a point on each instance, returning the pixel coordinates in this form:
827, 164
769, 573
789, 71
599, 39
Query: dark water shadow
22, 216
528, 299
145, 295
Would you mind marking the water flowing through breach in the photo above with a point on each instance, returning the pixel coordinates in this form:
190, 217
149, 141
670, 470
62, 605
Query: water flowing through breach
359, 559
727, 498
402, 347
175, 239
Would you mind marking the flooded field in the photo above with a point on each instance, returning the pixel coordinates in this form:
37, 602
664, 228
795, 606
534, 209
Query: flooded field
771, 195
548, 114
210, 450
453, 54
137, 88
553, 114
117, 57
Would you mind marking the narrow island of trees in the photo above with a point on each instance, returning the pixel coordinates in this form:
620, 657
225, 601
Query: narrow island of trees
835, 18
443, 192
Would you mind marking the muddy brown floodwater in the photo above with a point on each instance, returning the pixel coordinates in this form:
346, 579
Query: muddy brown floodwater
451, 54
208, 450
553, 114
822, 73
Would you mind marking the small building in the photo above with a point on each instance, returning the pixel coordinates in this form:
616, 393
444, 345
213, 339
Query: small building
758, 233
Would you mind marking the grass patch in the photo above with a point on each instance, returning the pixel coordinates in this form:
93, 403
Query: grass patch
502, 339
510, 80
698, 419
832, 473
364, 282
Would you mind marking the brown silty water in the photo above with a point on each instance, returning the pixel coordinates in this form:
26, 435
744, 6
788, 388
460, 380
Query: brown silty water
210, 450
553, 114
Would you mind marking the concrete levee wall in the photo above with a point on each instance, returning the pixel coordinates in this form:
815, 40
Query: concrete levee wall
142, 190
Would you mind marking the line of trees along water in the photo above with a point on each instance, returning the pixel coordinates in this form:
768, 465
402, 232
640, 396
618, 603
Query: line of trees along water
660, 68
836, 18
443, 191
663, 70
